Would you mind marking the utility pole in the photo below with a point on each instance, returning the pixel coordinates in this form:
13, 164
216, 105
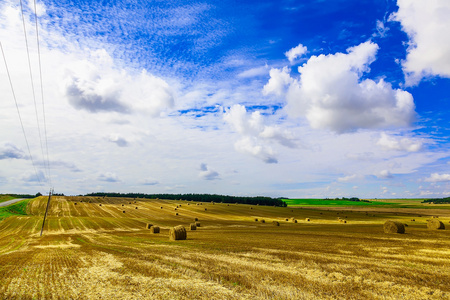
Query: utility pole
46, 210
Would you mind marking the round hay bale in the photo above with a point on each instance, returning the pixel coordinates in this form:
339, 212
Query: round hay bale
148, 226
256, 220
263, 221
206, 209
123, 204
251, 207
154, 229
176, 214
406, 225
276, 223
393, 227
129, 202
174, 209
287, 219
99, 205
228, 204
295, 221
75, 203
307, 219
193, 227
136, 207
196, 219
161, 207
413, 220
344, 221
123, 211
177, 233
197, 224
435, 224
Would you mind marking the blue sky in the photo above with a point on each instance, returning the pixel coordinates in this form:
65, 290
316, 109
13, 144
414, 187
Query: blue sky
278, 98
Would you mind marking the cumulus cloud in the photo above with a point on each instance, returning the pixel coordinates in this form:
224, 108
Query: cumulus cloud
206, 173
255, 134
108, 177
427, 24
9, 151
295, 52
385, 174
95, 85
279, 80
331, 93
436, 177
118, 140
398, 143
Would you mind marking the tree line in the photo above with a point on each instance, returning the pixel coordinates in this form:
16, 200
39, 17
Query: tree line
437, 201
261, 200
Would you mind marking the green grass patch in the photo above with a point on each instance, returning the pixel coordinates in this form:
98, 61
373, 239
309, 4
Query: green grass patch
16, 209
331, 202
4, 198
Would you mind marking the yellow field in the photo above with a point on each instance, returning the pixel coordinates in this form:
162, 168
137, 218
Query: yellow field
90, 251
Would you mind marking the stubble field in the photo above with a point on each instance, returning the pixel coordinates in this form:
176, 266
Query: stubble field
95, 250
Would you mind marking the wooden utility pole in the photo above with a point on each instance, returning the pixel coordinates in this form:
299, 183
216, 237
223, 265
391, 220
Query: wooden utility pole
46, 210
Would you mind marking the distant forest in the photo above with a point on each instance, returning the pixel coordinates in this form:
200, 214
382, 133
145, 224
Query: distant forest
199, 197
437, 201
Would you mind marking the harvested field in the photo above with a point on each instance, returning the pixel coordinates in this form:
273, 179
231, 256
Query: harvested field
89, 251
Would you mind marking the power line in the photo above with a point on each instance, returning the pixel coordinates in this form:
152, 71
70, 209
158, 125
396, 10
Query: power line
20, 118
32, 83
42, 92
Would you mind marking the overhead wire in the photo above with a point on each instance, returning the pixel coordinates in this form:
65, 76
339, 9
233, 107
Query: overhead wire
20, 118
42, 93
32, 85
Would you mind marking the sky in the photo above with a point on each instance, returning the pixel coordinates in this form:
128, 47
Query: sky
298, 99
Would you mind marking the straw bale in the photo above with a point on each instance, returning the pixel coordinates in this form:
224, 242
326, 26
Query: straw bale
256, 219
307, 219
197, 224
393, 227
75, 203
295, 221
276, 223
193, 227
196, 219
177, 233
206, 209
435, 224
263, 221
176, 214
154, 229
148, 225
136, 207
123, 211
287, 219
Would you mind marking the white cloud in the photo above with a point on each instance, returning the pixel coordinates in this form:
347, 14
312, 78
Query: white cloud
381, 29
254, 72
295, 52
109, 177
400, 144
206, 173
279, 80
118, 140
10, 151
40, 7
250, 145
331, 94
436, 177
427, 24
347, 178
96, 85
255, 134
385, 174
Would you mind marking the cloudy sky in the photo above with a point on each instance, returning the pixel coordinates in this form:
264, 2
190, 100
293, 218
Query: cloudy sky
279, 98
